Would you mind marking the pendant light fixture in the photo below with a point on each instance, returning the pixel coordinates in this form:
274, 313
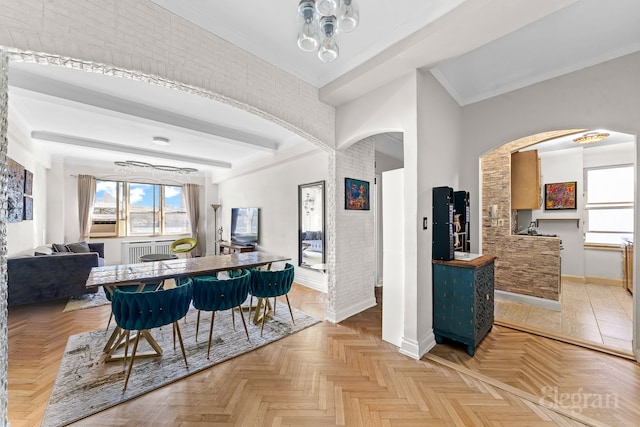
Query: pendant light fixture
319, 22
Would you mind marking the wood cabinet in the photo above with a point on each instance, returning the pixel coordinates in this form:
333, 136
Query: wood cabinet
233, 248
525, 180
463, 300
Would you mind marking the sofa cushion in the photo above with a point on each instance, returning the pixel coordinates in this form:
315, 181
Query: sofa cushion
78, 248
59, 247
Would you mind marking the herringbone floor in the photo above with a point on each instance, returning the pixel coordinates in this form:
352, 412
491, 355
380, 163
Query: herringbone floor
344, 374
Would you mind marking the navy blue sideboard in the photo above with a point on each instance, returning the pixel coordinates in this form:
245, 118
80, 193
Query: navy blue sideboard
463, 300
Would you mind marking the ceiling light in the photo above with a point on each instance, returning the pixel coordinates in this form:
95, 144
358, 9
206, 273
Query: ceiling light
159, 140
591, 137
319, 22
132, 166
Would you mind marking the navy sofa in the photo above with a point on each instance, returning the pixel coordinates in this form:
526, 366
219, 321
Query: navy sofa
47, 277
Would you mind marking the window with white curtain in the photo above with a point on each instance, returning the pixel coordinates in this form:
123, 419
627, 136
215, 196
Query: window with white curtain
138, 209
609, 204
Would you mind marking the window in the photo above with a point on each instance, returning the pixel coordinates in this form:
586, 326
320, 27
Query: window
609, 207
138, 209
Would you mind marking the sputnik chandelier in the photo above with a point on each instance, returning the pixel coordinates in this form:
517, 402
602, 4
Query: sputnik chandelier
319, 21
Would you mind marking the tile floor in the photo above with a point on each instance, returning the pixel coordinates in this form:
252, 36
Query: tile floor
600, 314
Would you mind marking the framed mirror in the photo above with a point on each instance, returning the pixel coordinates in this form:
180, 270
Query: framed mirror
311, 246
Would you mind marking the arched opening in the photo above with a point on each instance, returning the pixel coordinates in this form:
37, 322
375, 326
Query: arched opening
552, 276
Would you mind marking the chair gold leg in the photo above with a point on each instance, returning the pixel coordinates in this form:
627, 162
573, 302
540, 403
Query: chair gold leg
126, 349
213, 315
274, 305
133, 358
197, 325
250, 303
184, 354
174, 335
264, 316
108, 323
290, 312
246, 331
233, 318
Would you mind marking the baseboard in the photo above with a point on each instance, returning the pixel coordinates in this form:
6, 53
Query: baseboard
526, 299
415, 349
316, 285
572, 278
337, 317
565, 338
609, 281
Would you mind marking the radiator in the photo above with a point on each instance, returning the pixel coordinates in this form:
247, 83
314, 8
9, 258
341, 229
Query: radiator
133, 250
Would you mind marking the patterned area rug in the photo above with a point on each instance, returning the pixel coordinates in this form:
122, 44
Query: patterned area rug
86, 384
86, 301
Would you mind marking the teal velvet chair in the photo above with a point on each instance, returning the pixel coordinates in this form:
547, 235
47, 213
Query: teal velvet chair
142, 311
129, 288
271, 284
212, 294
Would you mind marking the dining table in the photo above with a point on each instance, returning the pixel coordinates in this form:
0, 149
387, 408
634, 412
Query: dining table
144, 273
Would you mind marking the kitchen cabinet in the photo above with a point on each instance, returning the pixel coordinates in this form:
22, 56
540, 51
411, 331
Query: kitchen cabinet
463, 302
525, 180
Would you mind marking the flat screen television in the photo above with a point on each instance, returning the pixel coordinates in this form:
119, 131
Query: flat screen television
245, 225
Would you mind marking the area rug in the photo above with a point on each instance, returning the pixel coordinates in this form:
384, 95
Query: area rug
81, 302
86, 384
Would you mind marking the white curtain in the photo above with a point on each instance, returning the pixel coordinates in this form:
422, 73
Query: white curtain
191, 194
86, 195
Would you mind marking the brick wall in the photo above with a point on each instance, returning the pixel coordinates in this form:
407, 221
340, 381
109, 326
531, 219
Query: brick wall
138, 35
354, 261
525, 265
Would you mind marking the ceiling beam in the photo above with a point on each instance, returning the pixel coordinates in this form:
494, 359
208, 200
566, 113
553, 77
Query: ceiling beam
68, 93
108, 146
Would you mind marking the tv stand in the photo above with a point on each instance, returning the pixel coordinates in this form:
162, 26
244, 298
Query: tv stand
233, 248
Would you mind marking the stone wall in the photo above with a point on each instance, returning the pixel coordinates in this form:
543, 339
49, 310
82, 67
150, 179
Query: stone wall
525, 265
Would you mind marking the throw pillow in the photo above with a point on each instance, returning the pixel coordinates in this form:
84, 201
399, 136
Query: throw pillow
79, 247
59, 247
43, 250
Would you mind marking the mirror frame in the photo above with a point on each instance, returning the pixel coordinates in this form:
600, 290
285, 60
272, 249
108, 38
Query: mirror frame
301, 189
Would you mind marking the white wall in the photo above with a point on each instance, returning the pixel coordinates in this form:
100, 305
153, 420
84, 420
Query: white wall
569, 165
275, 191
383, 163
24, 236
563, 166
603, 96
393, 237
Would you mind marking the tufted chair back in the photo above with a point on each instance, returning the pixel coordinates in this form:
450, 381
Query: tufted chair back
267, 283
147, 310
212, 294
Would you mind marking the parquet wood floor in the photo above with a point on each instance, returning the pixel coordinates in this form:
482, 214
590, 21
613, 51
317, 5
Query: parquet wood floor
344, 374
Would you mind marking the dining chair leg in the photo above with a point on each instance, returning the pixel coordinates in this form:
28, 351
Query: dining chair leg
233, 317
250, 303
133, 358
184, 354
174, 335
274, 305
126, 348
264, 316
108, 323
197, 325
246, 331
290, 312
213, 315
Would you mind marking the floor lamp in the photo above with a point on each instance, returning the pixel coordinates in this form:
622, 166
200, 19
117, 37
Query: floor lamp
215, 207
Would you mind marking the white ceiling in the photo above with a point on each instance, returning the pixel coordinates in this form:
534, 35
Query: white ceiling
476, 48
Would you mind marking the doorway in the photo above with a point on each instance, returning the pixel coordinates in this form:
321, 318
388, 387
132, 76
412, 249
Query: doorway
593, 308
